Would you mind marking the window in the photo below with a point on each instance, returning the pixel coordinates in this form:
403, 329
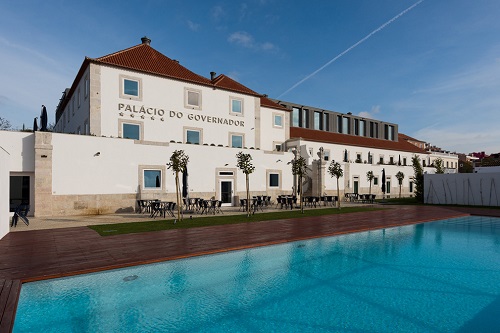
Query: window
73, 104
381, 160
131, 131
193, 136
391, 159
193, 99
326, 125
131, 87
339, 124
411, 186
87, 86
295, 117
274, 180
277, 146
375, 180
237, 106
236, 140
346, 122
362, 128
389, 132
326, 155
356, 126
278, 120
373, 130
86, 127
404, 160
358, 158
317, 120
79, 98
388, 186
152, 179
305, 118
226, 173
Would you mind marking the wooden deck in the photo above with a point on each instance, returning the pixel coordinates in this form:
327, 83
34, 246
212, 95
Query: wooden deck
43, 254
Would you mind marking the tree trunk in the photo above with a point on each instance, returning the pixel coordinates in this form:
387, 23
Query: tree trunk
177, 195
301, 200
400, 191
248, 194
370, 191
338, 192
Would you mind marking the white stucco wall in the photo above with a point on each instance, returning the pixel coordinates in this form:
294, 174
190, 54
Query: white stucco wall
20, 147
77, 169
474, 189
169, 96
4, 191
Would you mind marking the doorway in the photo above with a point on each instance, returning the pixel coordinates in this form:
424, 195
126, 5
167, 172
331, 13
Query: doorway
226, 192
19, 191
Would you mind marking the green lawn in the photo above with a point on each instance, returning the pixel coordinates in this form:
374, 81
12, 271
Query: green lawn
197, 221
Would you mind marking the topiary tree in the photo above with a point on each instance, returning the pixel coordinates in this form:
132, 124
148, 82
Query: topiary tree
245, 165
418, 177
369, 177
400, 176
439, 165
335, 170
178, 163
299, 168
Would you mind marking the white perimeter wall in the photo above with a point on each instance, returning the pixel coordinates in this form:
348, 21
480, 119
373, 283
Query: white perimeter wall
20, 146
77, 170
474, 189
4, 192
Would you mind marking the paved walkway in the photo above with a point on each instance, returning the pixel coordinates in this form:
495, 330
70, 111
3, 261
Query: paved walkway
43, 254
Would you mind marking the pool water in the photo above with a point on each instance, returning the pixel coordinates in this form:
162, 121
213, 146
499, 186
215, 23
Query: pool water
434, 277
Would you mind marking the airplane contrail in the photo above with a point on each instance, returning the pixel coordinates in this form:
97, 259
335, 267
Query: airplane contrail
352, 47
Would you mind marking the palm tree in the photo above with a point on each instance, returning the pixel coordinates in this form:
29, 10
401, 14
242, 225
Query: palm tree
369, 177
178, 163
299, 168
336, 171
245, 165
400, 176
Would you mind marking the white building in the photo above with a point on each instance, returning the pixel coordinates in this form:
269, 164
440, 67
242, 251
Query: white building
125, 114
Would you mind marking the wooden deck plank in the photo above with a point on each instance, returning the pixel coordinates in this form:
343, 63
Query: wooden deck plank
8, 304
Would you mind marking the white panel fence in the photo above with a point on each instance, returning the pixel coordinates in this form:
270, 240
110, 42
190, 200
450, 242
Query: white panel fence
474, 189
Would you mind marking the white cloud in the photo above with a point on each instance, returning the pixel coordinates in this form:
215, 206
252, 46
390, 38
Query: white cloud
371, 115
218, 13
193, 26
246, 40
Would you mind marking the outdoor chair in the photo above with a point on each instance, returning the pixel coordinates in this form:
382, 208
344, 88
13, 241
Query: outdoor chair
218, 207
20, 213
155, 209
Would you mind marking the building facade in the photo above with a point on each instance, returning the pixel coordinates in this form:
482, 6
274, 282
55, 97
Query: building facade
127, 112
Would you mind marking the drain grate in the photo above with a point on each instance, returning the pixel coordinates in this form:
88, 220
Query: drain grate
130, 278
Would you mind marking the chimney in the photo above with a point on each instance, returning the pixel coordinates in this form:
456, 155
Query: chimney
146, 40
212, 75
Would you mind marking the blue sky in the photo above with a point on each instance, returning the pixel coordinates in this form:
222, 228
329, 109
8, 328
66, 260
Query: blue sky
434, 70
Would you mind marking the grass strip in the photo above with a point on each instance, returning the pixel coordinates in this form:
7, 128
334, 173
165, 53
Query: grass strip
198, 221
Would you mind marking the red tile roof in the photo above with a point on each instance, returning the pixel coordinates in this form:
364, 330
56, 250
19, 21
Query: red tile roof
353, 140
225, 82
144, 58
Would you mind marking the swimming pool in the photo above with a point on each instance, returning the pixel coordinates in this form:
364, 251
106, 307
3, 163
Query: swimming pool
433, 277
